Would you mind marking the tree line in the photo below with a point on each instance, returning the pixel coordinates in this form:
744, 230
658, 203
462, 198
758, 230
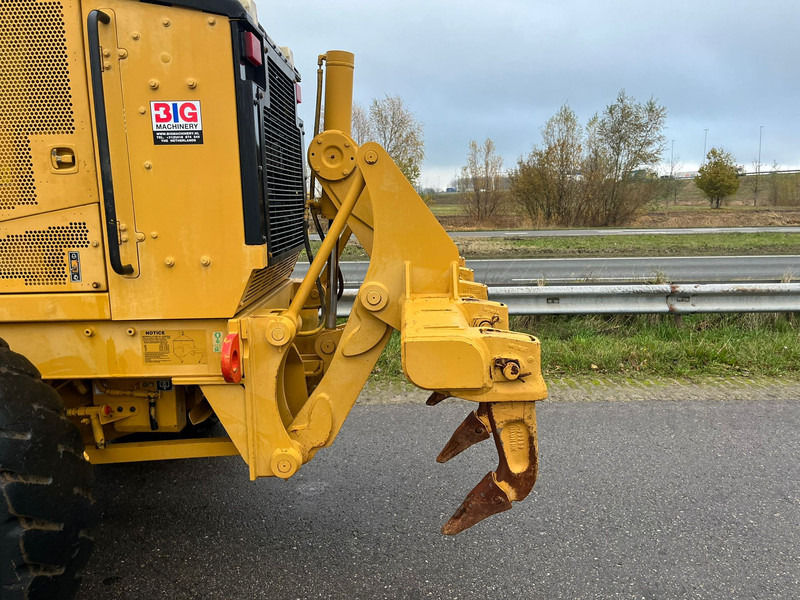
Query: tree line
598, 173
595, 174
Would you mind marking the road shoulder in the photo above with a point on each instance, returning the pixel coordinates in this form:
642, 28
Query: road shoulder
619, 390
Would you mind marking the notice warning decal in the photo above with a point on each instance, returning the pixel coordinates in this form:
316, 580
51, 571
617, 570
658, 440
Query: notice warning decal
177, 122
174, 347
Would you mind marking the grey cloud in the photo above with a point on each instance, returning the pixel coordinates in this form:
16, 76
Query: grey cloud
500, 69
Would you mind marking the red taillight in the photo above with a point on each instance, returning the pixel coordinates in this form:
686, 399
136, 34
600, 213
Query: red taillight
298, 93
252, 49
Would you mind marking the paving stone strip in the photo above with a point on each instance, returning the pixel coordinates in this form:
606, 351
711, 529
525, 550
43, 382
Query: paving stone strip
631, 390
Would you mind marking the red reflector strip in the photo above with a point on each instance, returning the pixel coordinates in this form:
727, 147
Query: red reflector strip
298, 93
252, 49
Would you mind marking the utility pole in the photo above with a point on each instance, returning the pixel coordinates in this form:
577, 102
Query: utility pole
758, 164
705, 139
672, 173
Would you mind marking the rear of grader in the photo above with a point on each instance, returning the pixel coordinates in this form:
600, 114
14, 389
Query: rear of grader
153, 205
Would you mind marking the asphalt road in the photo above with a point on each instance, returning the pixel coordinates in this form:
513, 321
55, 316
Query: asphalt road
523, 233
555, 271
649, 499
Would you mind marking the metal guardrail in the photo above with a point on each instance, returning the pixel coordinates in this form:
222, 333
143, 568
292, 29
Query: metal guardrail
637, 299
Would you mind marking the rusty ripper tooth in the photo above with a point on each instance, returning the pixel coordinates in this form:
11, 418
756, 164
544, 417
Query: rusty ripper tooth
436, 397
471, 431
513, 428
485, 499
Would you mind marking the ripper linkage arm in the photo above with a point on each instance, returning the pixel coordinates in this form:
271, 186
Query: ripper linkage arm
454, 341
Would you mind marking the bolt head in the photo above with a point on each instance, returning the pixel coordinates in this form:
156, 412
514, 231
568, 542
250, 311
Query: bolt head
371, 157
511, 370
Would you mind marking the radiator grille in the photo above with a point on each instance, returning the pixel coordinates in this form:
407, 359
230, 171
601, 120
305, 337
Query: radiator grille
284, 164
265, 279
35, 95
39, 256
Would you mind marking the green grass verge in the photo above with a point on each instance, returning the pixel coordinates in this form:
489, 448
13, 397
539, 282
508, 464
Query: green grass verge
737, 244
707, 244
652, 347
649, 346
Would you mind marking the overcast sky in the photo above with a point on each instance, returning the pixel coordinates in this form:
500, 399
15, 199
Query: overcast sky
501, 68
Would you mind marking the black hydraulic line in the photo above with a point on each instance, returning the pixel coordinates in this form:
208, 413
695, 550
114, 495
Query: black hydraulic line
340, 278
310, 257
340, 275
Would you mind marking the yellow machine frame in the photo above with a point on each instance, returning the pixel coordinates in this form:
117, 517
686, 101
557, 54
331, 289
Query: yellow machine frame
132, 352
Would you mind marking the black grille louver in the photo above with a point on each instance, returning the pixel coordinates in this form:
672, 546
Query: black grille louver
283, 165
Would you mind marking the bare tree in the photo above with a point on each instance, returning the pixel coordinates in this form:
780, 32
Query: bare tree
483, 197
674, 165
632, 134
398, 131
362, 127
752, 183
597, 175
546, 184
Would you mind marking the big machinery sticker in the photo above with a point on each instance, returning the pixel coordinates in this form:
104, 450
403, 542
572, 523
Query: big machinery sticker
177, 122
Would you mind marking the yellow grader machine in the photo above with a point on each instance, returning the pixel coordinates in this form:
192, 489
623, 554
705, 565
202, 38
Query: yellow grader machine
154, 200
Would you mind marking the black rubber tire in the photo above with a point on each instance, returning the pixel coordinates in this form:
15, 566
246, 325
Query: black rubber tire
46, 506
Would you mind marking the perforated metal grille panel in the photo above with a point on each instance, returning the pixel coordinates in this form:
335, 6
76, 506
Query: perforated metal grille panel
35, 94
39, 256
284, 164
